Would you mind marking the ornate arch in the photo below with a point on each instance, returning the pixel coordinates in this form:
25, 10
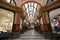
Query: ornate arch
30, 1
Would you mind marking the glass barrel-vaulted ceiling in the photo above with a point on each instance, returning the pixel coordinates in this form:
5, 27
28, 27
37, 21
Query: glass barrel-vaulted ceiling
31, 8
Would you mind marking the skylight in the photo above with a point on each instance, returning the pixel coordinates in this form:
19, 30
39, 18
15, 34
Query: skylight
31, 8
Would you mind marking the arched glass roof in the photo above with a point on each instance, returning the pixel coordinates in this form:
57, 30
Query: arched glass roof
31, 8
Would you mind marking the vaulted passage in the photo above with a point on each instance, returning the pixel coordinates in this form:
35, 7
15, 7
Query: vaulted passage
29, 19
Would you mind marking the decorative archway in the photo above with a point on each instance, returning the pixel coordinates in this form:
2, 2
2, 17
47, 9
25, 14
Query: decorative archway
30, 1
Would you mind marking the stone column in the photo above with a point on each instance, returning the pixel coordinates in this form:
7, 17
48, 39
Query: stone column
16, 24
46, 22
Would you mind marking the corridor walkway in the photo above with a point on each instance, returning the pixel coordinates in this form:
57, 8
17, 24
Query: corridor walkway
30, 35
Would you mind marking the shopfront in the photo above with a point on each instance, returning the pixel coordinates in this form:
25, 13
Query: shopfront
55, 20
6, 20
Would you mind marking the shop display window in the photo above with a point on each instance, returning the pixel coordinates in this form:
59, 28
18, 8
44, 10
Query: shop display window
55, 20
6, 20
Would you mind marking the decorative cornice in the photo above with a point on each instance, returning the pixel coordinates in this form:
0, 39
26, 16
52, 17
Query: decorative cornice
50, 7
9, 6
